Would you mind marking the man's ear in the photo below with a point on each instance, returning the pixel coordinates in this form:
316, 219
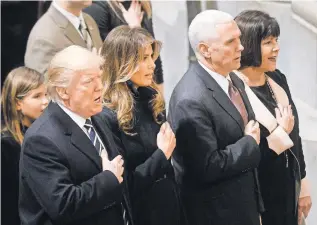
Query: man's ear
62, 92
204, 50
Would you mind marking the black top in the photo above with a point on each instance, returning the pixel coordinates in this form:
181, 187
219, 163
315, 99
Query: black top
152, 188
278, 173
106, 20
275, 175
10, 157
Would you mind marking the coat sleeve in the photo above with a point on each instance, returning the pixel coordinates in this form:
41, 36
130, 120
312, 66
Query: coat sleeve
39, 54
46, 172
197, 143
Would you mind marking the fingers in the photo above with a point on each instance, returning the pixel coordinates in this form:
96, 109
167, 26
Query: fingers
280, 107
117, 159
249, 125
300, 216
168, 129
133, 4
306, 209
141, 16
305, 212
138, 8
120, 179
163, 128
278, 113
256, 125
290, 111
253, 125
123, 10
104, 155
304, 206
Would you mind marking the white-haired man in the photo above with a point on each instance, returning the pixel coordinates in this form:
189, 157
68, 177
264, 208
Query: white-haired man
217, 139
70, 168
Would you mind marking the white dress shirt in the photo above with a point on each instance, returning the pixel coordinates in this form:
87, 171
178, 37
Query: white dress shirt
220, 79
74, 20
80, 121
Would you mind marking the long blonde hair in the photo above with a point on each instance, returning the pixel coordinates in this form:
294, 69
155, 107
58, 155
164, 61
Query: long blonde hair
146, 6
122, 50
18, 84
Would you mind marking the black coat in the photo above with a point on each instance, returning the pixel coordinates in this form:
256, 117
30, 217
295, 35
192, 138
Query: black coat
278, 177
106, 20
10, 156
153, 191
61, 177
214, 160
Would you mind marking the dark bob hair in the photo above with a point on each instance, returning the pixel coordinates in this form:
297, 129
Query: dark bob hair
255, 26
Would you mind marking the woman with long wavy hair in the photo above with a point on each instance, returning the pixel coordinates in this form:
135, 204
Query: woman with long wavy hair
113, 13
23, 100
135, 108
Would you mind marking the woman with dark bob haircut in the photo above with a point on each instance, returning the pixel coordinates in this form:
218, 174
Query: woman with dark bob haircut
282, 172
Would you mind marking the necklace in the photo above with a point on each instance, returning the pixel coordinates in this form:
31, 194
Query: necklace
274, 98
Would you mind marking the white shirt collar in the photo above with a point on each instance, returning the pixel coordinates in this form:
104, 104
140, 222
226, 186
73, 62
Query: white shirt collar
80, 121
220, 79
71, 17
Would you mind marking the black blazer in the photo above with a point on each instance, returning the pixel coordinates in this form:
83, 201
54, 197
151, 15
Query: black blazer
214, 161
153, 191
10, 156
61, 177
106, 20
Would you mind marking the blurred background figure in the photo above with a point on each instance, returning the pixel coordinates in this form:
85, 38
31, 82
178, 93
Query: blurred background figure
62, 25
23, 100
14, 32
110, 14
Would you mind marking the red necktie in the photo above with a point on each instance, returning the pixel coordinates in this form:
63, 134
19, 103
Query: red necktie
238, 102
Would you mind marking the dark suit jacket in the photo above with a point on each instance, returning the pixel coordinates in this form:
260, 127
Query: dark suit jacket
10, 156
61, 177
52, 33
214, 160
108, 20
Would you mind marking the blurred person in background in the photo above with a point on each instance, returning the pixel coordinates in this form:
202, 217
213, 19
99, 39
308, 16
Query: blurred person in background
64, 24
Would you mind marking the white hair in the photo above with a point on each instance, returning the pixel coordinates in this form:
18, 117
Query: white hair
65, 64
203, 28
